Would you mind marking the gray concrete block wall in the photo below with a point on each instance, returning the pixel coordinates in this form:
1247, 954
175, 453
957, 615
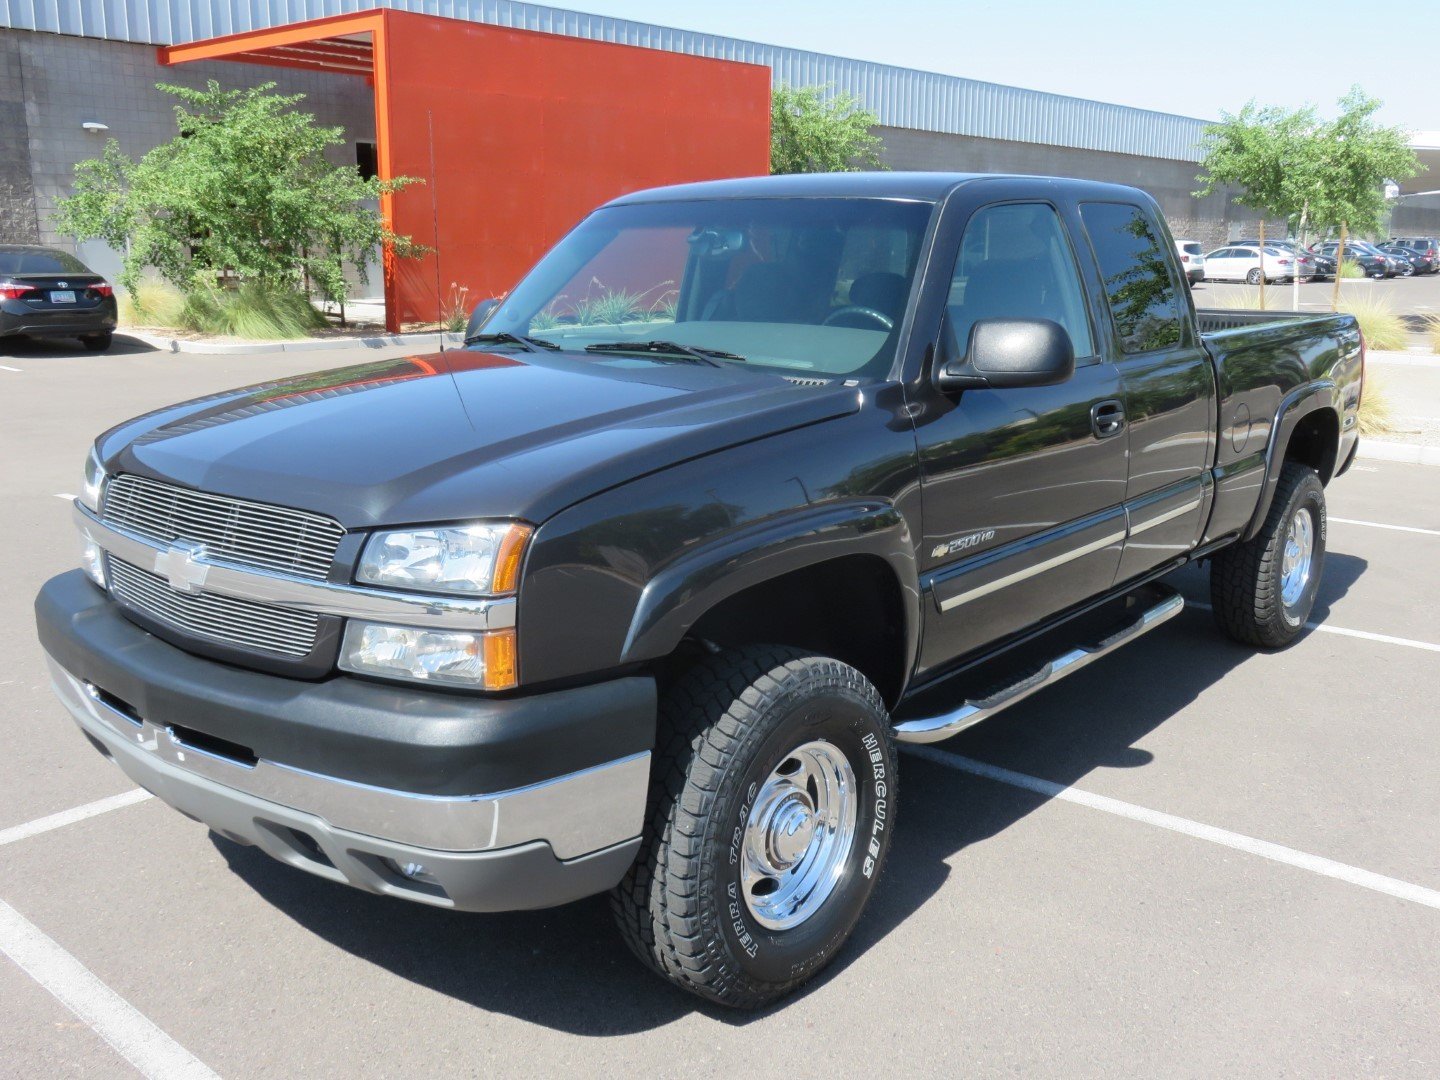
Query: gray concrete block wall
67, 81
1211, 220
19, 223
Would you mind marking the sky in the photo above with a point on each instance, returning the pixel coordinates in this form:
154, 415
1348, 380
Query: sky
1195, 58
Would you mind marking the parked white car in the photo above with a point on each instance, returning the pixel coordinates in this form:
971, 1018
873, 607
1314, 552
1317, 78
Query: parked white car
1242, 262
1192, 258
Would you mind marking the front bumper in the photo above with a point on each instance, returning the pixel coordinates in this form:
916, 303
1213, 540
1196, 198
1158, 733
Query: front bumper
175, 723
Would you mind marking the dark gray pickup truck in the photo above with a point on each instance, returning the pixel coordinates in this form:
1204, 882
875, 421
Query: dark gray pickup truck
745, 483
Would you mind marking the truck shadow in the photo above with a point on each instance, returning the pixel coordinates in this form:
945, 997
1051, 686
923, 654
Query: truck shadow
567, 969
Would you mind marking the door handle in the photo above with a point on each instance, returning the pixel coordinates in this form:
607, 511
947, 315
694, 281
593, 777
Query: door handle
1107, 418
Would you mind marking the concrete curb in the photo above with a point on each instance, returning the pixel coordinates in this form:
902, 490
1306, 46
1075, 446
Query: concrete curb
1405, 359
241, 348
1410, 453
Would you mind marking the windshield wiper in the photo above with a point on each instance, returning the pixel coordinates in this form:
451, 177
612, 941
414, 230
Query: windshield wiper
530, 344
697, 353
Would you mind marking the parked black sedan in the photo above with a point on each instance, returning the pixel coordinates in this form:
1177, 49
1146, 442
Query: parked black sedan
1373, 263
1422, 261
49, 293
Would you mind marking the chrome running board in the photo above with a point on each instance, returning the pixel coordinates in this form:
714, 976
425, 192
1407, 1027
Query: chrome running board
930, 729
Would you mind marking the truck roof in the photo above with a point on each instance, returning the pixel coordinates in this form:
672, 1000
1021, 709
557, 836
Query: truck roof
929, 186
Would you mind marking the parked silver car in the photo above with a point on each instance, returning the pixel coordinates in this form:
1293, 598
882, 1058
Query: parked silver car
1244, 262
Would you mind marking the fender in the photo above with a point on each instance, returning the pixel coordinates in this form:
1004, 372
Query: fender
676, 598
1294, 407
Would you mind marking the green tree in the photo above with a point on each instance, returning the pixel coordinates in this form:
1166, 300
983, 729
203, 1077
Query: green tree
811, 133
244, 188
1295, 165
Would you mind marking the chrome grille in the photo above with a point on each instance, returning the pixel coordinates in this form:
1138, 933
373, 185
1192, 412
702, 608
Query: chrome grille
235, 530
243, 624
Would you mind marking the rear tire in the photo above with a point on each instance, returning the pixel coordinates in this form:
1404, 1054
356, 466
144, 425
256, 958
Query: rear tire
96, 342
1253, 277
769, 818
1263, 590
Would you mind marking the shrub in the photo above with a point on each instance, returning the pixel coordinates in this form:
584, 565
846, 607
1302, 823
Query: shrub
151, 303
1351, 269
1432, 327
1276, 298
1376, 417
456, 311
610, 308
253, 310
1382, 327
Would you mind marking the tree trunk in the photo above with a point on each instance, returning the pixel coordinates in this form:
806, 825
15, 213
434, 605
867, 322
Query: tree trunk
1339, 266
1262, 264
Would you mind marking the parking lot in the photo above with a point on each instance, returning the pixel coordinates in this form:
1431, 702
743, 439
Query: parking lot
1190, 860
1418, 296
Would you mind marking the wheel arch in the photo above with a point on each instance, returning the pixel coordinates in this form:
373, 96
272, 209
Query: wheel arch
1307, 430
839, 579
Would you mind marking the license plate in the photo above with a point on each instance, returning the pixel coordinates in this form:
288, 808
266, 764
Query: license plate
66, 296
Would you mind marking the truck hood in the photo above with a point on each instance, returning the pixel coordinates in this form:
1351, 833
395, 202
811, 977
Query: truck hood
462, 434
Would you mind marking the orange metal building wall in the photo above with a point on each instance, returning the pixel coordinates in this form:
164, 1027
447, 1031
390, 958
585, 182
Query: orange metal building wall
531, 132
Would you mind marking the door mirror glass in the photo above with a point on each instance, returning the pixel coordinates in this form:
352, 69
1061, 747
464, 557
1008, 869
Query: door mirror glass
1004, 353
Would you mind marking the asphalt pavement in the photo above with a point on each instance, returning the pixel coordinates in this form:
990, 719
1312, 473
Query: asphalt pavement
1189, 860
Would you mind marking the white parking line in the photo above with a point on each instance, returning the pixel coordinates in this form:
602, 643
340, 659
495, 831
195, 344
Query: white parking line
1326, 628
1378, 525
114, 1019
1316, 864
71, 498
7, 367
69, 817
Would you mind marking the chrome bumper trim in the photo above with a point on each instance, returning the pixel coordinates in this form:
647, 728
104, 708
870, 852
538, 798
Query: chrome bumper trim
298, 593
576, 814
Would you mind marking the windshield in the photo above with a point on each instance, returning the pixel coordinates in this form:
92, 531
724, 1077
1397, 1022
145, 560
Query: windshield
39, 261
817, 285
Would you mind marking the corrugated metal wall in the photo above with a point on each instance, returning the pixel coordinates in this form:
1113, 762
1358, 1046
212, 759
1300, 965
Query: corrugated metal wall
902, 97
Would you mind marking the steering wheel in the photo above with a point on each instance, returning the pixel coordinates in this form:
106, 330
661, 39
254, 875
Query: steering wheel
886, 323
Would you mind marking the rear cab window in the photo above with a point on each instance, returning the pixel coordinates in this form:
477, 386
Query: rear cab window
1140, 289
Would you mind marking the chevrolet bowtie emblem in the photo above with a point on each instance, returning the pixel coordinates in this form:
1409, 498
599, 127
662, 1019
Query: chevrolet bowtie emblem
180, 565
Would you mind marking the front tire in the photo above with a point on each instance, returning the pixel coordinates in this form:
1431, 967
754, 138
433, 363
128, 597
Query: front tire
1253, 277
770, 815
1263, 590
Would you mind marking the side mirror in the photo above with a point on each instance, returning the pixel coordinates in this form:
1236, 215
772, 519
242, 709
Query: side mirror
483, 310
1006, 353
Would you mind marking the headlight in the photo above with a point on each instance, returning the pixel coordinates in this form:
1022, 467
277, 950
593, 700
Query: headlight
478, 559
484, 661
94, 481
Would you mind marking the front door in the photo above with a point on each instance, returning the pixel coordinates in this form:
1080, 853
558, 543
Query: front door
1022, 489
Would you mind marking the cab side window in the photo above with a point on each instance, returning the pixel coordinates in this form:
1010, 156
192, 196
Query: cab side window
1143, 297
1016, 263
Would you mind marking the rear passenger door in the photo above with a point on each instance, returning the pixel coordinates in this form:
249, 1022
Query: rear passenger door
1022, 488
1169, 383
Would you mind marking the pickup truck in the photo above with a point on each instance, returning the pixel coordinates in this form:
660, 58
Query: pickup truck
744, 484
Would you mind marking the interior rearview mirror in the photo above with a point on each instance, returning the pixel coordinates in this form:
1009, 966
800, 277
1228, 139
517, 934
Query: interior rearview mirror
483, 310
1005, 353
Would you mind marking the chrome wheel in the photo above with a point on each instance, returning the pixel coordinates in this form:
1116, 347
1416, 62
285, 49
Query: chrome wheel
799, 835
1298, 558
